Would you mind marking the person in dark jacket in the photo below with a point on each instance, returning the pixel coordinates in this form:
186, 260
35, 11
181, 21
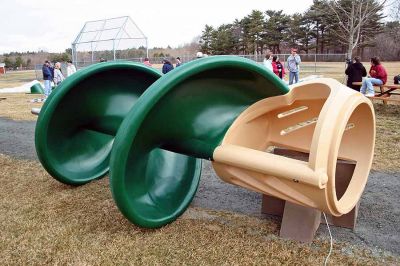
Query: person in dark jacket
47, 77
355, 72
167, 66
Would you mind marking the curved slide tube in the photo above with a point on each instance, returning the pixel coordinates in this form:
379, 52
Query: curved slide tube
78, 122
185, 114
225, 109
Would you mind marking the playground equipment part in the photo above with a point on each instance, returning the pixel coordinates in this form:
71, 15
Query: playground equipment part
322, 118
35, 111
37, 89
77, 123
225, 109
179, 120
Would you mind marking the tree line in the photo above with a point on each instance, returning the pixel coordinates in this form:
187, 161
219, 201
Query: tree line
326, 27
343, 26
27, 60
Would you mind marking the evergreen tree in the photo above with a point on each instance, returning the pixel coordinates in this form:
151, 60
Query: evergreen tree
253, 31
8, 62
238, 37
206, 39
276, 29
295, 32
307, 33
318, 13
223, 41
19, 62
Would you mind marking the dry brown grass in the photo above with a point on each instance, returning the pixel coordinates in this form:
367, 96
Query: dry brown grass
16, 78
45, 222
387, 143
16, 106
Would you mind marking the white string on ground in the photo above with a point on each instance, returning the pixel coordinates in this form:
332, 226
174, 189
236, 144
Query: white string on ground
330, 234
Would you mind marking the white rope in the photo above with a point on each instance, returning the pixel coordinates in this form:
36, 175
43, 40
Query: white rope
330, 249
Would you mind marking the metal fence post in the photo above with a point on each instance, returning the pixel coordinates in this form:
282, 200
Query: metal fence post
315, 63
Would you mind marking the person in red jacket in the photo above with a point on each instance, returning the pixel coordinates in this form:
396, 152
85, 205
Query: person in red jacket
378, 76
278, 67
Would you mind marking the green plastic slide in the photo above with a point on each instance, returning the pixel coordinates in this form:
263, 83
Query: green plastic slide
78, 122
157, 129
37, 89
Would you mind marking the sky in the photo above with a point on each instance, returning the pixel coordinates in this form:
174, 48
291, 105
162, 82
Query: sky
52, 25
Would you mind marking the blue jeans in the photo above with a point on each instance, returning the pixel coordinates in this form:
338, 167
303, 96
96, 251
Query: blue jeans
47, 87
368, 84
294, 75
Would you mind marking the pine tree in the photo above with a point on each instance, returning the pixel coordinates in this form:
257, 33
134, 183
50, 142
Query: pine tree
206, 39
275, 29
253, 30
222, 40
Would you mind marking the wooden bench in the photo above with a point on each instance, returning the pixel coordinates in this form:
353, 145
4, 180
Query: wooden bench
385, 92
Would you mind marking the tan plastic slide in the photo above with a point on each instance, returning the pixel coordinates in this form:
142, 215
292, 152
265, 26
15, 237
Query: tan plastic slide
321, 117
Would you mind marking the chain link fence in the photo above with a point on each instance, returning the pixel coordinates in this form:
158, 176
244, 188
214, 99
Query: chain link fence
311, 63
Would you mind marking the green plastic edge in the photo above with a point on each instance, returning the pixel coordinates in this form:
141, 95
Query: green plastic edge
135, 118
47, 111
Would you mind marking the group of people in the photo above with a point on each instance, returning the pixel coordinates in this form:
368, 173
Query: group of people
167, 65
356, 72
272, 63
53, 73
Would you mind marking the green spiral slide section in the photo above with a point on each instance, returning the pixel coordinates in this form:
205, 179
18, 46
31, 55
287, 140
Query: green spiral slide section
77, 124
37, 89
155, 162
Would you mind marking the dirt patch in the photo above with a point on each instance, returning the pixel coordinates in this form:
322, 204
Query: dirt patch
17, 138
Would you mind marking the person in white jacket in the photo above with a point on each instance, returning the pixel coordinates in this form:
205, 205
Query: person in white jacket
268, 61
58, 76
70, 68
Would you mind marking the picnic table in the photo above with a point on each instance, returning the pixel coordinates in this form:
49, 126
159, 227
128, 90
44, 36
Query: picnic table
385, 92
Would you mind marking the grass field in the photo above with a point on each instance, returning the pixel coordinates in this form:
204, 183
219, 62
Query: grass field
16, 78
45, 222
327, 69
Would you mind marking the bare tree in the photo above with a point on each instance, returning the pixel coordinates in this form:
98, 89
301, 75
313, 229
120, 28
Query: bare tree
351, 17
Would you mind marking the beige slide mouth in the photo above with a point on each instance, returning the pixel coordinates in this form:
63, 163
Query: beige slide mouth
320, 117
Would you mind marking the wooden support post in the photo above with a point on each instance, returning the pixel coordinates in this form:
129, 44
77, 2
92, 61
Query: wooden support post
300, 223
